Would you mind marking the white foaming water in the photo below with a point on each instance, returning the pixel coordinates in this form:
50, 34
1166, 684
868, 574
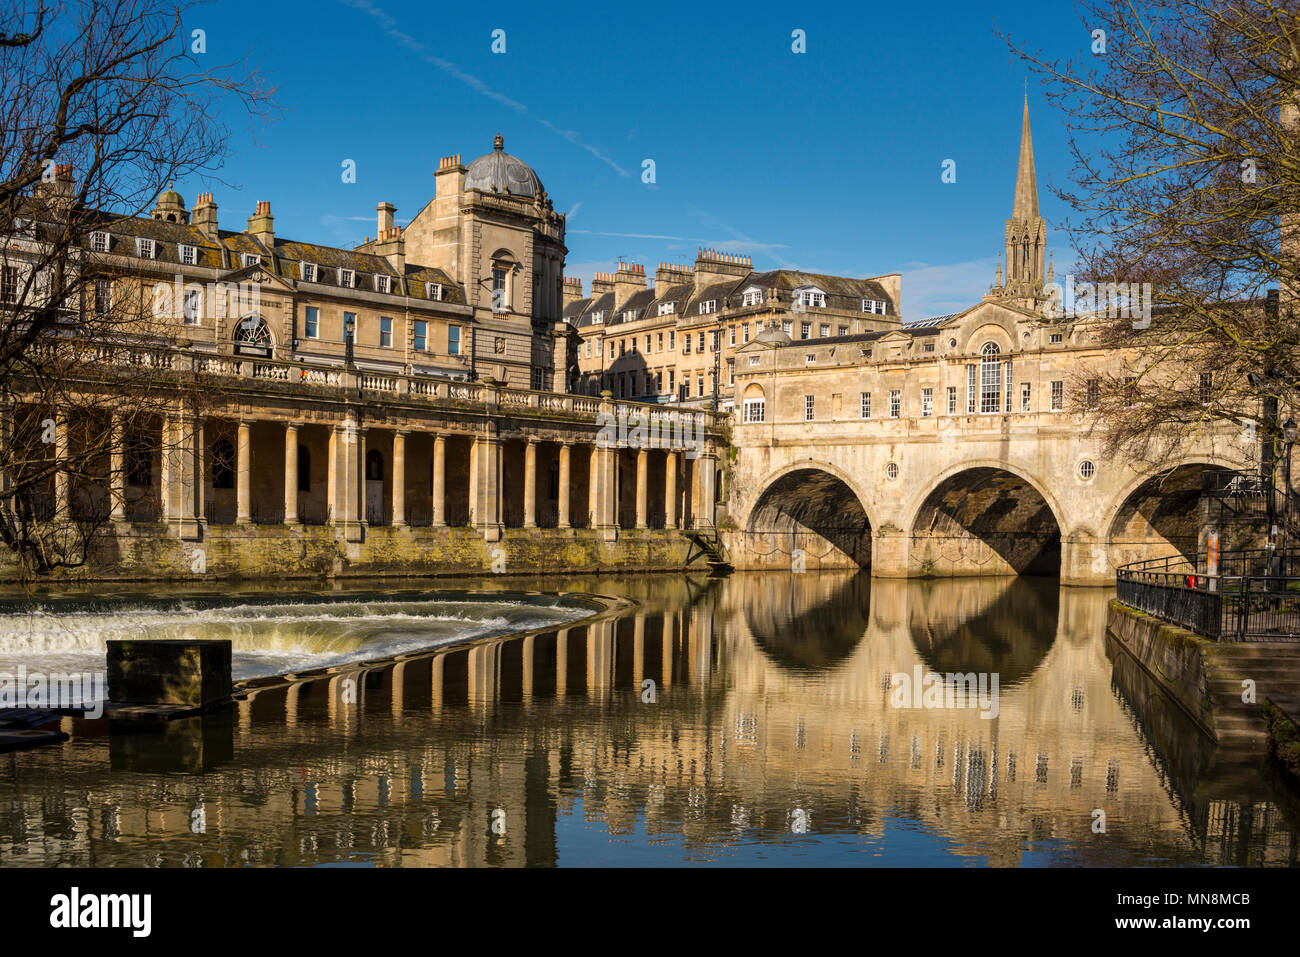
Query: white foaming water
267, 639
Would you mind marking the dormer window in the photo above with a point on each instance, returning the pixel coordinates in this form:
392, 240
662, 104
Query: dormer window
346, 278
434, 291
598, 317
708, 305
873, 306
252, 259
308, 272
99, 242
752, 297
381, 284
666, 308
145, 248
189, 255
629, 315
810, 298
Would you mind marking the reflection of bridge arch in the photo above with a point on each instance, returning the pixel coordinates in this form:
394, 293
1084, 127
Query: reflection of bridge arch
1161, 510
812, 627
815, 507
985, 626
985, 518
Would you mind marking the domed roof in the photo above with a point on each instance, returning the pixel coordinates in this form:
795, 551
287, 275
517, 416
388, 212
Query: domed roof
772, 335
500, 172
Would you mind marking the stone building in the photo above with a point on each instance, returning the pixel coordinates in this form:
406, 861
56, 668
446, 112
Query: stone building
676, 341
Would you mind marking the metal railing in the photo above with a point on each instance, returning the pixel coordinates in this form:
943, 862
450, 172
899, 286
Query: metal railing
1253, 595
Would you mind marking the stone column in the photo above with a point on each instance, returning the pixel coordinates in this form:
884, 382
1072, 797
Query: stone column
344, 441
473, 480
488, 487
564, 486
399, 479
706, 465
359, 479
183, 475
439, 480
670, 490
117, 470
530, 483
291, 474
243, 475
593, 496
62, 505
642, 470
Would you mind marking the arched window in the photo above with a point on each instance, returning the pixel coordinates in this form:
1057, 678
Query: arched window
374, 466
990, 378
304, 469
253, 337
223, 464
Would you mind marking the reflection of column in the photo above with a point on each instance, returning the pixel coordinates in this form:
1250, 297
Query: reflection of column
399, 479
527, 650
666, 665
561, 663
564, 486
243, 473
117, 469
642, 467
435, 684
439, 480
600, 648
638, 650
291, 704
291, 475
399, 689
670, 490
702, 638
530, 483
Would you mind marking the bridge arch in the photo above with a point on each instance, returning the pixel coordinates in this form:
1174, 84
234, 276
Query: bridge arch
985, 517
815, 507
1160, 511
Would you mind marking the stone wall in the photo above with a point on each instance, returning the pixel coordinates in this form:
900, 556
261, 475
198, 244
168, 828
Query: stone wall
146, 553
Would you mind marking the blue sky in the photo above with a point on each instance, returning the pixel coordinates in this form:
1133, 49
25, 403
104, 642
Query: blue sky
828, 161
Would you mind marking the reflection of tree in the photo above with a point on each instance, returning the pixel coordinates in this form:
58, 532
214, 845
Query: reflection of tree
1002, 625
808, 622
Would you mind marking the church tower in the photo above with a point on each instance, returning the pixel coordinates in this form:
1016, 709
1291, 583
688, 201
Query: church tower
1026, 234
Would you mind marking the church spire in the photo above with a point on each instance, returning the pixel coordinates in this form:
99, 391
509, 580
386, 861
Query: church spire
1025, 207
1026, 231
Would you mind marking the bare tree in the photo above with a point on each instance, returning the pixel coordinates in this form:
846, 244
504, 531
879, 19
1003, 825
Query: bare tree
1181, 117
102, 104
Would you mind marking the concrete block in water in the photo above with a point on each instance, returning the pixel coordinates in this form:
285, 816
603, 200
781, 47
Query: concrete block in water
183, 672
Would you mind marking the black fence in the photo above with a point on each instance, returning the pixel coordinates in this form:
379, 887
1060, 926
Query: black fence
1251, 595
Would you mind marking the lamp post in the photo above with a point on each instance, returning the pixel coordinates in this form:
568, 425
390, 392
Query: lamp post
349, 334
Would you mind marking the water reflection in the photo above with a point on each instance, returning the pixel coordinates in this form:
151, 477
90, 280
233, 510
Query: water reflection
745, 720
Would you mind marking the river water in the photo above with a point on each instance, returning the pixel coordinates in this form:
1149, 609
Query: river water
761, 718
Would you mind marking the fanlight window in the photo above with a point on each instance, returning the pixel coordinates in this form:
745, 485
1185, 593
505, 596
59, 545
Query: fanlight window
253, 338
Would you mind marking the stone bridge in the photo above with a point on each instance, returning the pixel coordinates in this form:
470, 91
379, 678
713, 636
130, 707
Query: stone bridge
949, 448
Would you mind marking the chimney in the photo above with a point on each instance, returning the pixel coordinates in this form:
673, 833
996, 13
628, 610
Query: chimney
628, 281
601, 283
712, 266
59, 192
450, 178
204, 216
391, 242
572, 290
261, 225
669, 275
